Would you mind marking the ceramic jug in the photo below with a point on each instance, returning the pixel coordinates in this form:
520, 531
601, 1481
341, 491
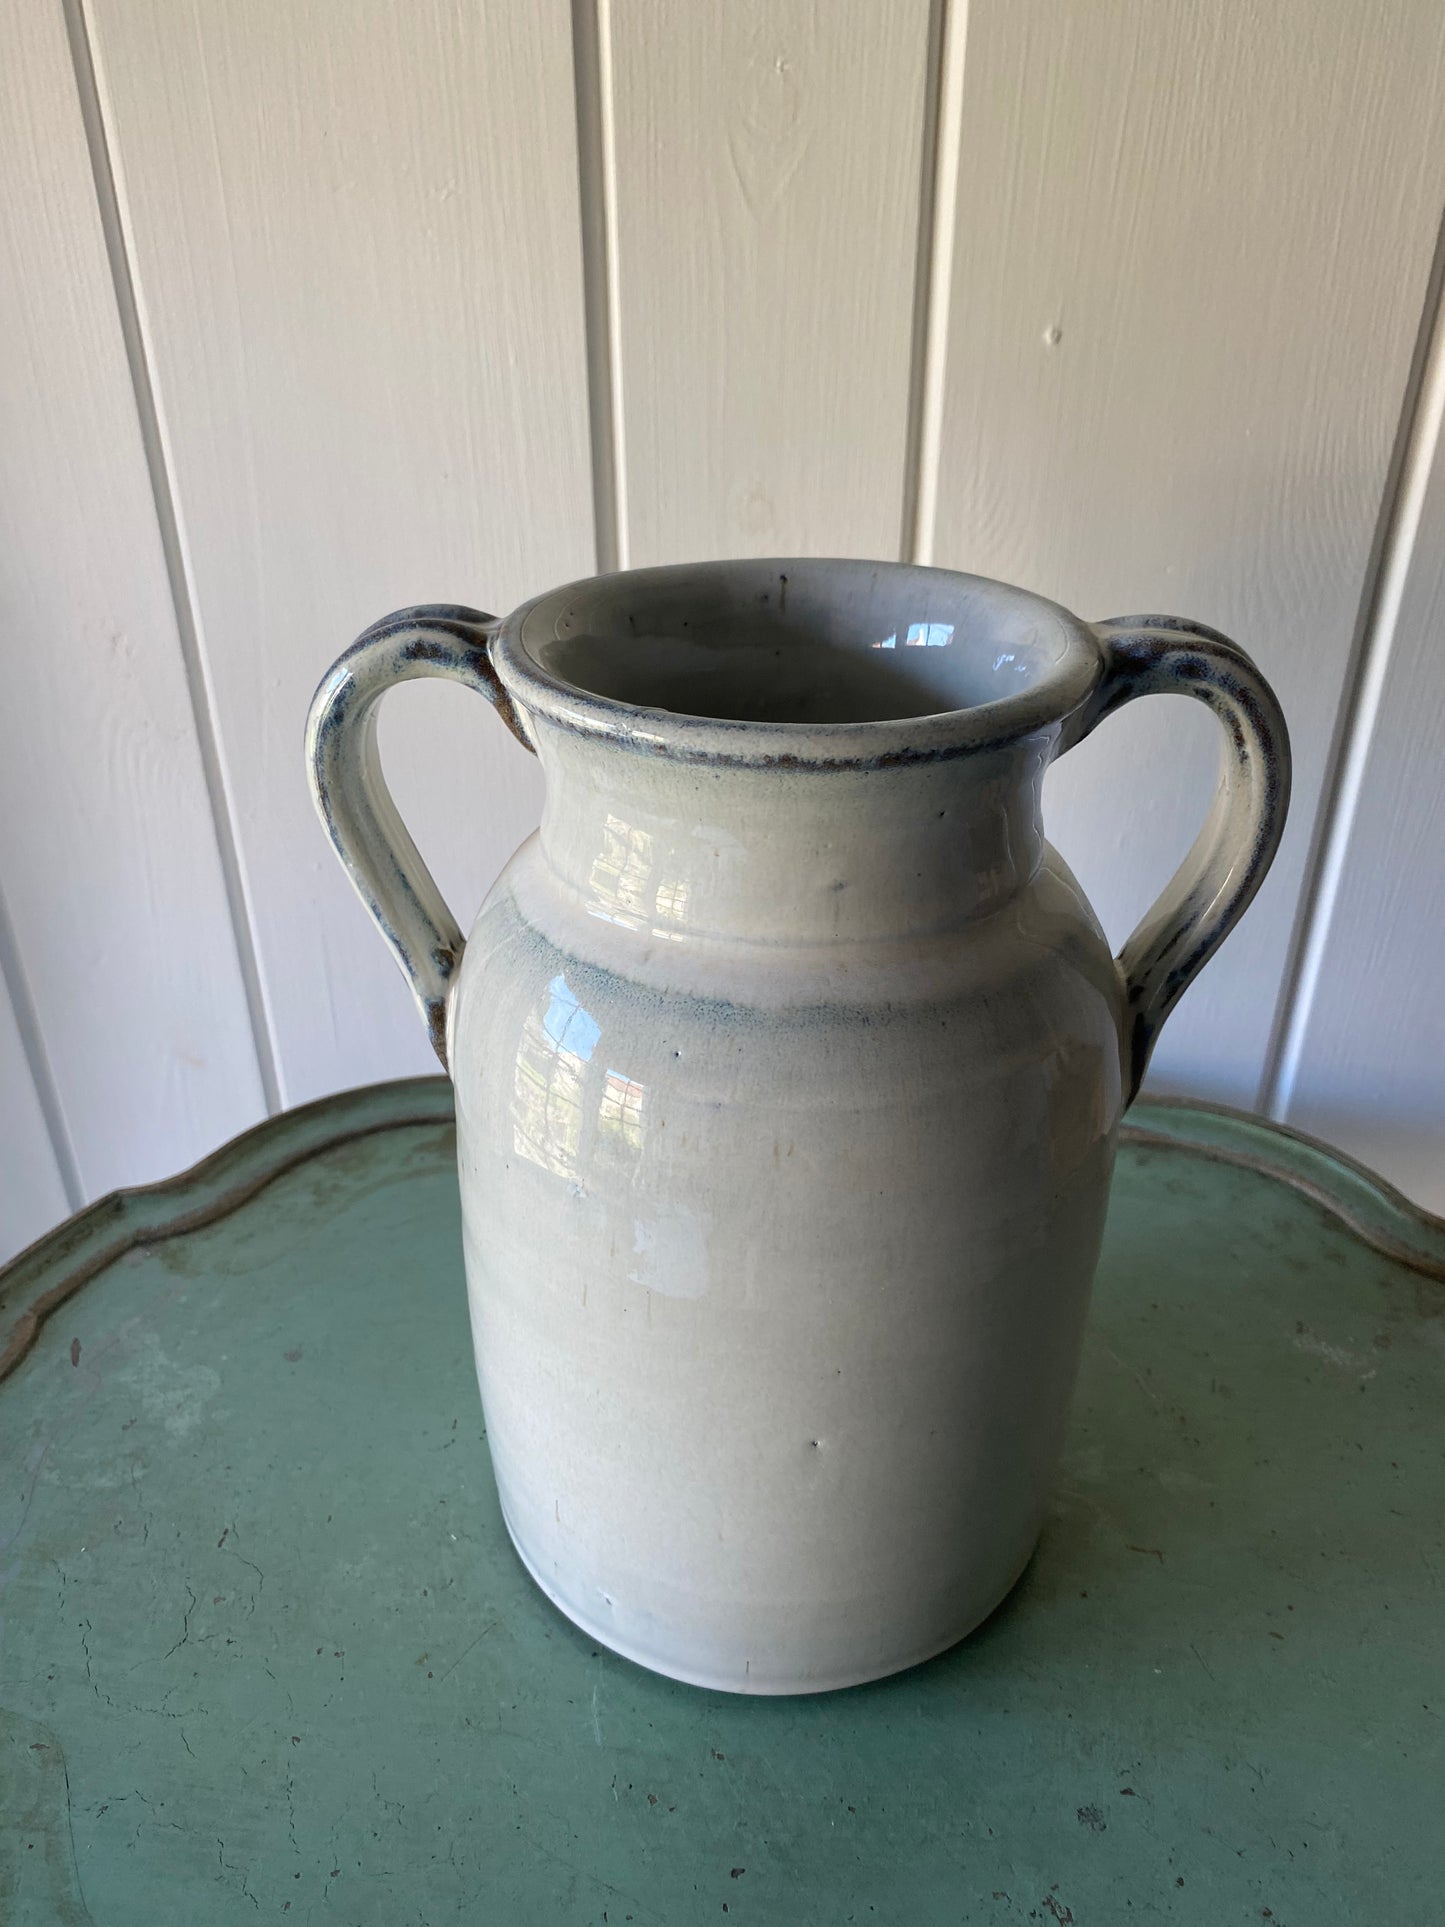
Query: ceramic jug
788, 1061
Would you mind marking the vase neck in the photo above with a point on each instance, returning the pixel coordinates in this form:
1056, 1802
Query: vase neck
789, 856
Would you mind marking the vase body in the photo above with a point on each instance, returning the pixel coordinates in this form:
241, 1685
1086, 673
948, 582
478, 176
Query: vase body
787, 1087
779, 1238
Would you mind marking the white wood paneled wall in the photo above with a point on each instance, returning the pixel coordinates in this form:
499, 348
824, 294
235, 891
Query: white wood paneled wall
1193, 244
355, 236
308, 311
111, 867
32, 1192
766, 165
1362, 1056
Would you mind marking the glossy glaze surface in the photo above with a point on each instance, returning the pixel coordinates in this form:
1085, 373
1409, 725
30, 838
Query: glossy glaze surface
778, 1252
789, 1062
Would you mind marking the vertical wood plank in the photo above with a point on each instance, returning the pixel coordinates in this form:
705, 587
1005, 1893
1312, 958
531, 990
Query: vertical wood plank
32, 1194
357, 247
108, 854
1192, 246
766, 173
1366, 1065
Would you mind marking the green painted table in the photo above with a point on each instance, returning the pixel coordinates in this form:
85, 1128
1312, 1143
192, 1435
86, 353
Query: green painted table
267, 1651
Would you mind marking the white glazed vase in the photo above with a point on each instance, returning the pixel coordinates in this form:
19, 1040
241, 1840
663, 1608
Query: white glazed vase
788, 1062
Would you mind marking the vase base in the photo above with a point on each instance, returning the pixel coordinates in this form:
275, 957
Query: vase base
775, 1687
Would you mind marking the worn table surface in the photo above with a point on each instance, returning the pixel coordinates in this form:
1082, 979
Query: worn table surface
266, 1651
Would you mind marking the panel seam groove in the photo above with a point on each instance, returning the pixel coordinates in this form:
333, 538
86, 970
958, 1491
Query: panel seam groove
602, 300
32, 1044
1417, 439
178, 574
933, 275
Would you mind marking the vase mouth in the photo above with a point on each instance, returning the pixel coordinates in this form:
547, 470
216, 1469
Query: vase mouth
797, 663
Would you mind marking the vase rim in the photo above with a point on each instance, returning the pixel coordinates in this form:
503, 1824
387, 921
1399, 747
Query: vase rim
804, 663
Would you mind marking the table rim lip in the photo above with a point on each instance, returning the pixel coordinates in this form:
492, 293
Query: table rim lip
123, 1220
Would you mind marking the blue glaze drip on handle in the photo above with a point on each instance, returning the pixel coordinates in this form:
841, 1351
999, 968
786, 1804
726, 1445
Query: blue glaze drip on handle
1212, 888
351, 795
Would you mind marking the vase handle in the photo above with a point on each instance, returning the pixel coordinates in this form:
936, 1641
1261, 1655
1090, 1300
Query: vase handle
1165, 655
354, 803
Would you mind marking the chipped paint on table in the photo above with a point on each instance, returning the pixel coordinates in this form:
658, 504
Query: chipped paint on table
266, 1652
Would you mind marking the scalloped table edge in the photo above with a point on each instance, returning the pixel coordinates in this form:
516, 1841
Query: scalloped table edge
78, 1250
